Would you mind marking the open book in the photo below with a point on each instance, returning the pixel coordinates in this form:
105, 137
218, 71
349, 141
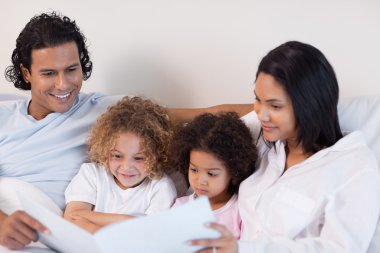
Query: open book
165, 232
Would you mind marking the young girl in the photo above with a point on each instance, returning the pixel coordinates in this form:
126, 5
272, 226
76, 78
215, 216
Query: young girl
128, 150
216, 152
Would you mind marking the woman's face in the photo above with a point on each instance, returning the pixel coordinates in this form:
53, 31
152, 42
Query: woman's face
274, 109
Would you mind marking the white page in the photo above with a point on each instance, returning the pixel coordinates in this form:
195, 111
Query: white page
65, 236
164, 232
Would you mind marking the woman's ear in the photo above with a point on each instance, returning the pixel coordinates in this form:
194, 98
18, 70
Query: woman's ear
25, 73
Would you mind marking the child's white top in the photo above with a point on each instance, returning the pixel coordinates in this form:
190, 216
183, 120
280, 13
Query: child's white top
228, 215
94, 185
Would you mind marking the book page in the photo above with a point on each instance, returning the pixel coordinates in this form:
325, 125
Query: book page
65, 236
164, 232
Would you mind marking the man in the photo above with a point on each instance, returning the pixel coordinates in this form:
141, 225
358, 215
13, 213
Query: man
42, 139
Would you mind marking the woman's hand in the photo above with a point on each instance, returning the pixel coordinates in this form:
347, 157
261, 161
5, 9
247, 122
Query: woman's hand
19, 229
226, 243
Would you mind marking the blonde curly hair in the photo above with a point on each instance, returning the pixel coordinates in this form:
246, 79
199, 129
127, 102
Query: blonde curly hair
139, 116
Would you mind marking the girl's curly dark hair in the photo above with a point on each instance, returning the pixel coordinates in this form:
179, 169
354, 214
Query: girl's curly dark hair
142, 117
42, 31
223, 135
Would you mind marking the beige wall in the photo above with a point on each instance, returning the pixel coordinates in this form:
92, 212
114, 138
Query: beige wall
203, 52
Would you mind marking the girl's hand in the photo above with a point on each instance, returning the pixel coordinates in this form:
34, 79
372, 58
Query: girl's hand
226, 243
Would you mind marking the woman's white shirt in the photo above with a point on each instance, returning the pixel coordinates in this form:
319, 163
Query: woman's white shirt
328, 203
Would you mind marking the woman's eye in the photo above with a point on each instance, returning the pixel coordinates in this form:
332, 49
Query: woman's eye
139, 158
49, 73
276, 107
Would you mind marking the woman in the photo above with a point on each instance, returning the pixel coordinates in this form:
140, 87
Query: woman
315, 190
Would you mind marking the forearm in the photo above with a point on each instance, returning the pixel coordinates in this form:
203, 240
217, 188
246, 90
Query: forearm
86, 224
100, 219
187, 114
2, 216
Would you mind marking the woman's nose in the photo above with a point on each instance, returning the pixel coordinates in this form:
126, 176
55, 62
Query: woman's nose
262, 113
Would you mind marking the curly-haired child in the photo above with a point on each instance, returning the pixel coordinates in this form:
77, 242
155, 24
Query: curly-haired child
216, 153
128, 150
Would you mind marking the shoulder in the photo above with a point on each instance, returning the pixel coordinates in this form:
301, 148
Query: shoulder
183, 200
12, 106
164, 184
92, 169
352, 151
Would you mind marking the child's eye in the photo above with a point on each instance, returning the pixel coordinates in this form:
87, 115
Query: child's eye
139, 158
115, 156
194, 170
212, 174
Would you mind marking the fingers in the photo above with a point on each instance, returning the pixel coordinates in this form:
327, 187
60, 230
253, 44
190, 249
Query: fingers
27, 223
19, 229
224, 232
225, 243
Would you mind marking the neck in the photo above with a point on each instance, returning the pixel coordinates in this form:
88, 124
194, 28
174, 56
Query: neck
219, 201
295, 154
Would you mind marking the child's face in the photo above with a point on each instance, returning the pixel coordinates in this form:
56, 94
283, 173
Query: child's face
127, 162
208, 176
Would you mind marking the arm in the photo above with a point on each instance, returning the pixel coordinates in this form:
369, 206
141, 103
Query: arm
19, 229
81, 214
185, 115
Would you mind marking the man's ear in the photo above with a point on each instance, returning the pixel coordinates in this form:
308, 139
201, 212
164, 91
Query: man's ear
25, 73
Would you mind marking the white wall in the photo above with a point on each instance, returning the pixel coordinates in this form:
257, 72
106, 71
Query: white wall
202, 52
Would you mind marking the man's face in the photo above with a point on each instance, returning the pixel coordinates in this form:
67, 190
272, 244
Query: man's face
55, 77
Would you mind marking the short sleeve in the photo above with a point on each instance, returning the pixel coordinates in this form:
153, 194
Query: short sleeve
83, 186
162, 195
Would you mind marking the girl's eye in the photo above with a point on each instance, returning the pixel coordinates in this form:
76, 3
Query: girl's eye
139, 158
276, 107
212, 174
115, 156
194, 170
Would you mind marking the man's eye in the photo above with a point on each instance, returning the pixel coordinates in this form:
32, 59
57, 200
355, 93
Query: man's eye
71, 69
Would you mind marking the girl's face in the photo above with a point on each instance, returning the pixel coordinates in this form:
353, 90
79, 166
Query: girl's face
127, 161
208, 176
274, 109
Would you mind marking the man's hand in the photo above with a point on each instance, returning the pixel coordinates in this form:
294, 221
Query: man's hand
19, 229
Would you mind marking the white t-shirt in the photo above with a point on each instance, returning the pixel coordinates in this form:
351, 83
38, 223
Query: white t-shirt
47, 153
328, 203
94, 185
